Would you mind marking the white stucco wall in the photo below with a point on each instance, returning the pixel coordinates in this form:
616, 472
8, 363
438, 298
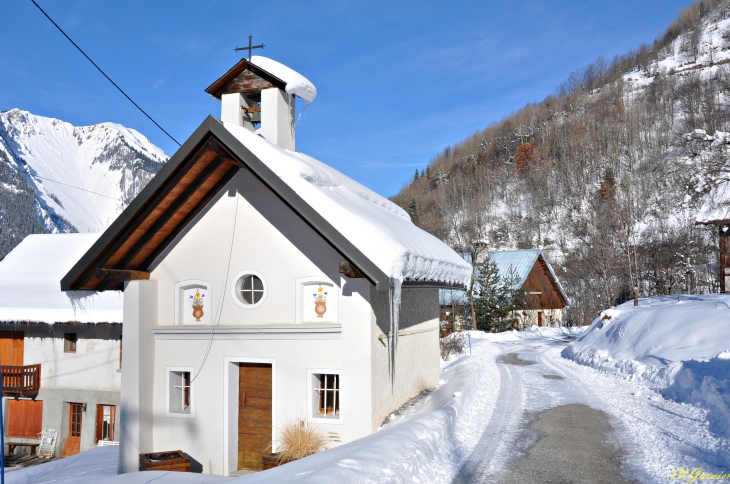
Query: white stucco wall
94, 366
204, 437
417, 355
269, 238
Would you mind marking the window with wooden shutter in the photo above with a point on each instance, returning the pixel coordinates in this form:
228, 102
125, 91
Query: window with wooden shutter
25, 418
105, 421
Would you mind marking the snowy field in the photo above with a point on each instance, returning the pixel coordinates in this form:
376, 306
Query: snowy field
641, 367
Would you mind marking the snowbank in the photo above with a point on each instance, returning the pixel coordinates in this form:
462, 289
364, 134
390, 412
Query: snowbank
375, 225
679, 348
296, 83
30, 283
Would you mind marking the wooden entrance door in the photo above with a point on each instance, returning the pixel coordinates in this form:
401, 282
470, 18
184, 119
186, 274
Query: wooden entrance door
72, 446
11, 348
254, 414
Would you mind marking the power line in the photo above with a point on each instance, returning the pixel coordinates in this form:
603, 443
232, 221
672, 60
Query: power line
77, 188
104, 74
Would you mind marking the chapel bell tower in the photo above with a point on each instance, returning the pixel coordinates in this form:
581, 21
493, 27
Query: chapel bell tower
257, 100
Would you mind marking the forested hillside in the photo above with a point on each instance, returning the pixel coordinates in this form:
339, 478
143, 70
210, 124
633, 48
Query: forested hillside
607, 175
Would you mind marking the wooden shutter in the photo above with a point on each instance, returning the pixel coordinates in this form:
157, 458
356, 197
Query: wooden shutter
25, 418
99, 423
11, 348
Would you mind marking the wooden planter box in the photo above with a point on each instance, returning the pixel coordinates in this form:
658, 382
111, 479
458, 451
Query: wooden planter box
174, 460
271, 460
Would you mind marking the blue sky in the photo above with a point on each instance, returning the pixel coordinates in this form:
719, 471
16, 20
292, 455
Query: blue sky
398, 81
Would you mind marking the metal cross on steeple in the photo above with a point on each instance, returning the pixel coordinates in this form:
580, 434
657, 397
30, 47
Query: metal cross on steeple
250, 47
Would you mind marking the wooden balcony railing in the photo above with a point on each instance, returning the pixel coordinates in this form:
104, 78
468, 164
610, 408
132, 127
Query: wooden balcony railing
21, 380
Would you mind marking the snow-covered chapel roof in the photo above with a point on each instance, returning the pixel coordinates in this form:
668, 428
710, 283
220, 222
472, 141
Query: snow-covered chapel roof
29, 277
370, 231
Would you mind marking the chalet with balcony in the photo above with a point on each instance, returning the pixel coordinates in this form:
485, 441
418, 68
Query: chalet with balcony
60, 352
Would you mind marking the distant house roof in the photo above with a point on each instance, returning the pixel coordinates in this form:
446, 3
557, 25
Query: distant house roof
367, 229
521, 263
29, 277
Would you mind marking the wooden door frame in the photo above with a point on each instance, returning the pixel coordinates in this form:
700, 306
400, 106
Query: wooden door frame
99, 428
230, 402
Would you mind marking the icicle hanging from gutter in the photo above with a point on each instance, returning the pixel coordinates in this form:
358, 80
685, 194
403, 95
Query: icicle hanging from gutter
394, 297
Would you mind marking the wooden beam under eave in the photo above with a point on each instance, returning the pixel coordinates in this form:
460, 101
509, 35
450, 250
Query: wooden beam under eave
350, 271
121, 275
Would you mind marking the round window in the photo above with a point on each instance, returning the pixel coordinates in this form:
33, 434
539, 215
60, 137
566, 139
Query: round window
249, 289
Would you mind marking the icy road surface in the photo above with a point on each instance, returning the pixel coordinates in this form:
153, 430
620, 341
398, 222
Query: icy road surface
557, 421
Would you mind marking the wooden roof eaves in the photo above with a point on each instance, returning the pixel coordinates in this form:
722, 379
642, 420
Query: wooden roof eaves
70, 281
79, 273
217, 86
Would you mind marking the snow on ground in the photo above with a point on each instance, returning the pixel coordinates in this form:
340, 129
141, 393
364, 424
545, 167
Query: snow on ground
428, 442
681, 349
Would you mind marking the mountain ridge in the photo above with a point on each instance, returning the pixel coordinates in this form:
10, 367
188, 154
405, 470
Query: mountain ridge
56, 177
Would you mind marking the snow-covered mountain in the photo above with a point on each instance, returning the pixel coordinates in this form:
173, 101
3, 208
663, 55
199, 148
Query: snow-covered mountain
55, 177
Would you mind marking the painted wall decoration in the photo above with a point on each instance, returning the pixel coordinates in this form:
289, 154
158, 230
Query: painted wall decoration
320, 301
198, 301
316, 300
193, 302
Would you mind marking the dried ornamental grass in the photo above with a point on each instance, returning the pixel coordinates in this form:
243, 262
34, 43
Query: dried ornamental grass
299, 439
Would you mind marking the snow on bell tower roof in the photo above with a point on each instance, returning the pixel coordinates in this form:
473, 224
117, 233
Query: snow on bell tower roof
250, 77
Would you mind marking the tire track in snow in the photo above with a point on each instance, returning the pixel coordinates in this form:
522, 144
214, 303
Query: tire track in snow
482, 464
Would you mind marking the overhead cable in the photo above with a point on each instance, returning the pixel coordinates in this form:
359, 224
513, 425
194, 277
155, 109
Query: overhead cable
103, 73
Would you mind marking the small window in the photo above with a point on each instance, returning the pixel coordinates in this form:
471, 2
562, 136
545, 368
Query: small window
249, 289
69, 342
325, 396
180, 400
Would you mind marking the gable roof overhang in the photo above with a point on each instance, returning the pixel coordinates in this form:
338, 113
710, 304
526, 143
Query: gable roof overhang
547, 268
250, 83
199, 170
